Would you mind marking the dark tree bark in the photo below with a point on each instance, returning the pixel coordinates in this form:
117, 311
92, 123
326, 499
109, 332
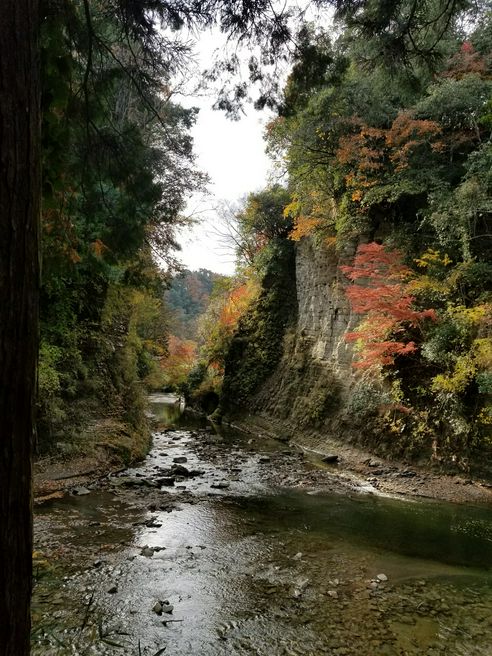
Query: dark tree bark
19, 283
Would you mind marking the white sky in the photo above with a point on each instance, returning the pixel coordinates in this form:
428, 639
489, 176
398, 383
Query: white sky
232, 153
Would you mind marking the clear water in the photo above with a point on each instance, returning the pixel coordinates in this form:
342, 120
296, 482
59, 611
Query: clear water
253, 569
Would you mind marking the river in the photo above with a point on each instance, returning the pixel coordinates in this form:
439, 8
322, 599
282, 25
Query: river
228, 560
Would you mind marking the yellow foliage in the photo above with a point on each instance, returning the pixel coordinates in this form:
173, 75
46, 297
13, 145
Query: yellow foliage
473, 316
482, 351
304, 226
478, 358
485, 416
427, 285
433, 257
456, 382
292, 208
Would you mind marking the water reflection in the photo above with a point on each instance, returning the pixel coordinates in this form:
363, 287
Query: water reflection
274, 572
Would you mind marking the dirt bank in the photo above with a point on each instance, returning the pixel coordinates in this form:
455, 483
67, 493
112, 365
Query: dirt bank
358, 467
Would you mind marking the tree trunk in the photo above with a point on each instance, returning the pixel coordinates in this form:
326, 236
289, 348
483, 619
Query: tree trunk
19, 284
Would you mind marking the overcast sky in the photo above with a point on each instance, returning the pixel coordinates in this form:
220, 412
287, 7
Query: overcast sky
232, 153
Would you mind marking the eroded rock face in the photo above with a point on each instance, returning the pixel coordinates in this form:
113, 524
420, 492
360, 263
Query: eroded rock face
323, 311
312, 382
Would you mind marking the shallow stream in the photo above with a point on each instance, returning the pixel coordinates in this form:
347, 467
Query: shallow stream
253, 568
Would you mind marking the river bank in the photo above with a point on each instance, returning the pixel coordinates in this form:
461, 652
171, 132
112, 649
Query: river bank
354, 466
316, 461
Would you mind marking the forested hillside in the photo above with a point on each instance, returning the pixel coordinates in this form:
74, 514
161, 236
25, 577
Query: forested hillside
389, 182
387, 161
117, 167
188, 298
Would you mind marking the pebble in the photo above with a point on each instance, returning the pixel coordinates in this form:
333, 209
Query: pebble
221, 485
165, 480
80, 491
147, 552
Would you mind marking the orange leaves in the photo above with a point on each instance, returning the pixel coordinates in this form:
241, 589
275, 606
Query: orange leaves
236, 303
180, 359
406, 129
98, 248
467, 61
371, 153
222, 317
407, 134
363, 151
314, 215
382, 294
304, 226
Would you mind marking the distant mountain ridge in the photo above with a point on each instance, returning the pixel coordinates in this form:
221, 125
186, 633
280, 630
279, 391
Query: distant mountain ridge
188, 298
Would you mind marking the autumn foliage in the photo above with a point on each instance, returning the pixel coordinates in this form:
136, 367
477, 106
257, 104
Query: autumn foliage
235, 303
382, 293
373, 152
180, 359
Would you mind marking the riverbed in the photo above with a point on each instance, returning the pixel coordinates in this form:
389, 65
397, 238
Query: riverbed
221, 543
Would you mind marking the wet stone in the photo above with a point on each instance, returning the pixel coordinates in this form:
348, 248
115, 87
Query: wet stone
147, 552
179, 470
330, 458
166, 481
157, 608
80, 491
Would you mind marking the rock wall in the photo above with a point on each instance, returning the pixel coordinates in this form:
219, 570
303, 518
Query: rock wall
311, 386
323, 312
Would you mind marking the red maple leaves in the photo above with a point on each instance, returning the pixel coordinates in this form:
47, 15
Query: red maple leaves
382, 294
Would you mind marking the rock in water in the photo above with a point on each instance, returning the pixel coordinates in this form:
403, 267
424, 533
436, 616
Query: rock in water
147, 552
221, 485
80, 491
179, 470
166, 481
